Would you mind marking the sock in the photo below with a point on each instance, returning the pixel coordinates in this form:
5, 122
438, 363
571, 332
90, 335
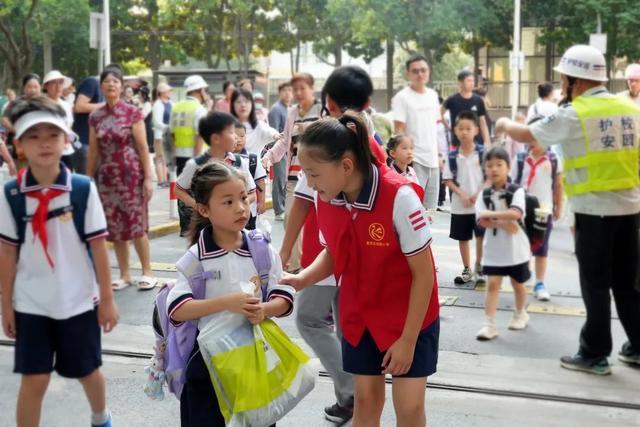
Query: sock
539, 284
100, 418
491, 320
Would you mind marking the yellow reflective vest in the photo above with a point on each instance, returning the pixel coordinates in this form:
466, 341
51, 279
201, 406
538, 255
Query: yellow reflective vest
182, 117
611, 129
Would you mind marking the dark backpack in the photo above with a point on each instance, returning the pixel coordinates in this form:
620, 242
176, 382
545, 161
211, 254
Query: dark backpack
521, 158
535, 230
453, 161
174, 344
253, 163
80, 189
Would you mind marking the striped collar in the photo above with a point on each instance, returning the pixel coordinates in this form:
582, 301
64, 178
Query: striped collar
208, 248
367, 197
63, 181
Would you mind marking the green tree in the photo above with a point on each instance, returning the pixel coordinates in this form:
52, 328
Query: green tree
17, 19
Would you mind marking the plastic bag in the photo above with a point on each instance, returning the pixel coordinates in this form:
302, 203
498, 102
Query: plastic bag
257, 372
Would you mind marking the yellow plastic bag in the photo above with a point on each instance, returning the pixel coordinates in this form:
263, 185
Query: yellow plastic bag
258, 373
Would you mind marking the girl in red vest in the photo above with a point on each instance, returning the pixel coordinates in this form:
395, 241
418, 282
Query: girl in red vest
377, 243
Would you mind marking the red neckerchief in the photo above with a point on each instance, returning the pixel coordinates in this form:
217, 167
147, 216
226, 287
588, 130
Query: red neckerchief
534, 166
39, 219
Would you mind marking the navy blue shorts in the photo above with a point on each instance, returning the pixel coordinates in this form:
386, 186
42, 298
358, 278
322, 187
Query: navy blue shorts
71, 346
366, 358
544, 249
520, 273
464, 227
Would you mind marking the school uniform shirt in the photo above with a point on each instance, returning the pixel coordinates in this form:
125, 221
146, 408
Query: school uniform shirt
370, 241
469, 178
190, 168
258, 137
502, 249
538, 180
231, 272
564, 129
420, 113
69, 287
410, 173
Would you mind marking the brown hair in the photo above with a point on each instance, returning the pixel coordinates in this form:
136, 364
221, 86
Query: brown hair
22, 106
303, 77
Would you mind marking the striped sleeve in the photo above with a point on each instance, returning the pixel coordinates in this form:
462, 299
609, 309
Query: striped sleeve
8, 229
411, 222
276, 289
302, 190
179, 295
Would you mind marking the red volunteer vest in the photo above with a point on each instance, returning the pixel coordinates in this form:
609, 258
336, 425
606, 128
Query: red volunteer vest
311, 246
375, 275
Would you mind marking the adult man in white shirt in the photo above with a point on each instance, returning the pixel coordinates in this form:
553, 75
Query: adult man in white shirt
632, 76
416, 111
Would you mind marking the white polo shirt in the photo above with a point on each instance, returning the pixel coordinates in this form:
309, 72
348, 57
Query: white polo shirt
469, 178
232, 272
70, 287
564, 129
420, 113
502, 249
540, 183
190, 168
258, 137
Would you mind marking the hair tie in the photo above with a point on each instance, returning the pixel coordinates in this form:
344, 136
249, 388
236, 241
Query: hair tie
352, 126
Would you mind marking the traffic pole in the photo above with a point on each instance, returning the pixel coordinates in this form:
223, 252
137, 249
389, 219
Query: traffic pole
173, 199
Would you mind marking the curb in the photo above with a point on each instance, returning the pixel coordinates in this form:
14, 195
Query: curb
164, 229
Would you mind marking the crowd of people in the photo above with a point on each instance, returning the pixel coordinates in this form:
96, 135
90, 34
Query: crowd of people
357, 257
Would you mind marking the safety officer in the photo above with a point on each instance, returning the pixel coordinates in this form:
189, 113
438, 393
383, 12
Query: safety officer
599, 134
185, 117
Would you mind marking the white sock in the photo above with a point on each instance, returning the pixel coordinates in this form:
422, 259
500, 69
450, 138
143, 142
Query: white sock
101, 417
491, 321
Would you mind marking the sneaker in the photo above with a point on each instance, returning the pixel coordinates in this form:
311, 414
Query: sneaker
338, 414
279, 217
519, 321
628, 355
541, 292
480, 278
465, 277
106, 424
487, 332
595, 365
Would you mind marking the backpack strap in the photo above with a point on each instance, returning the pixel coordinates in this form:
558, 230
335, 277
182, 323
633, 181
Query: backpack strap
554, 166
191, 267
258, 244
486, 198
453, 165
253, 164
202, 159
80, 190
520, 158
237, 162
509, 192
17, 203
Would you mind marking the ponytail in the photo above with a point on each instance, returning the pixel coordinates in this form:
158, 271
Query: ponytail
334, 137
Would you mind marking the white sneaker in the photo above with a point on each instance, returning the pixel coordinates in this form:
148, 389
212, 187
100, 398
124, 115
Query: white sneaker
487, 332
541, 292
519, 321
279, 217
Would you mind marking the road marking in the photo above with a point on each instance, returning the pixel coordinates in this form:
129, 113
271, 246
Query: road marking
447, 300
157, 266
557, 309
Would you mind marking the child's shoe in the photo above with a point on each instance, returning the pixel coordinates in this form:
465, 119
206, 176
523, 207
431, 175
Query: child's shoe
480, 278
519, 320
488, 331
541, 292
595, 365
104, 424
629, 355
465, 277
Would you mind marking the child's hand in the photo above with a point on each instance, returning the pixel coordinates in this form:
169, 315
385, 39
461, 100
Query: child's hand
240, 302
293, 280
466, 200
399, 357
512, 227
108, 315
557, 212
266, 163
262, 207
255, 313
9, 322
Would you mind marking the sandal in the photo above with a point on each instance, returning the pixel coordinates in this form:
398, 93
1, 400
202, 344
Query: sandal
120, 284
146, 282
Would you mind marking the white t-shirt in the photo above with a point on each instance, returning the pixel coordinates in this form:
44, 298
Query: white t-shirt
232, 272
259, 137
190, 168
541, 108
68, 110
564, 129
469, 178
420, 113
502, 249
70, 287
625, 93
541, 184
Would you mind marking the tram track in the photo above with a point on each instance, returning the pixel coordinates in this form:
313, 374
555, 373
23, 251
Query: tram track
435, 385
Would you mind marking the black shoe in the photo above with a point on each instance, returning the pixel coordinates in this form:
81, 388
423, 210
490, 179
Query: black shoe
629, 355
338, 414
594, 365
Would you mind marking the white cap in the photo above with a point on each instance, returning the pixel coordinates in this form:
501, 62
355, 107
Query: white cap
632, 72
583, 62
194, 82
54, 75
258, 95
33, 118
163, 87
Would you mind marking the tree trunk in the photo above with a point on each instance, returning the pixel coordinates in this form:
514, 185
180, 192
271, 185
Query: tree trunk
429, 55
338, 51
390, 52
476, 61
298, 46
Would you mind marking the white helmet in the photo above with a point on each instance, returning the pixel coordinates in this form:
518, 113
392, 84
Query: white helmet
194, 82
632, 72
583, 62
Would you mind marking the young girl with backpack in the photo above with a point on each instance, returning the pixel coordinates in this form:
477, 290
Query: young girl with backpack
400, 152
222, 248
377, 243
506, 246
